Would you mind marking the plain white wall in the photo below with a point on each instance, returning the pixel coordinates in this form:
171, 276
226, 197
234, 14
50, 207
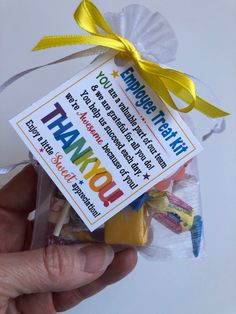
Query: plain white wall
207, 49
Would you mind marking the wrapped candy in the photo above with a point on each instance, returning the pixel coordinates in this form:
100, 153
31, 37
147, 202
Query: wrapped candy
128, 227
171, 211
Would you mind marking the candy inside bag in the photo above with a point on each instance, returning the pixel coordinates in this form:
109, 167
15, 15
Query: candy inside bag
160, 224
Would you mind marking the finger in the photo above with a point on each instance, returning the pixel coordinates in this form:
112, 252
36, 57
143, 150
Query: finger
36, 303
44, 303
19, 194
123, 263
55, 268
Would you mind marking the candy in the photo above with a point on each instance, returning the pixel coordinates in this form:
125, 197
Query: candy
170, 211
139, 202
196, 235
177, 176
57, 205
128, 227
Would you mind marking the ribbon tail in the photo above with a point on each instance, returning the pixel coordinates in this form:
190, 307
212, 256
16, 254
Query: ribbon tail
156, 83
208, 109
84, 53
182, 86
60, 41
70, 40
14, 78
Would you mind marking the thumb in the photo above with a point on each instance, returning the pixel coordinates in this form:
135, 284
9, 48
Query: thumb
51, 269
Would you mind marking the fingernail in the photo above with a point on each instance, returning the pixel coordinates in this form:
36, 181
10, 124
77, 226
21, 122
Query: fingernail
96, 258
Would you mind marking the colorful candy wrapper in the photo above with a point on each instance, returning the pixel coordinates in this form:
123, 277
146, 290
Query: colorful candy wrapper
171, 211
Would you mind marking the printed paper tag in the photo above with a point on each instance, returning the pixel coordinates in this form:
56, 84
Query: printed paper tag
105, 138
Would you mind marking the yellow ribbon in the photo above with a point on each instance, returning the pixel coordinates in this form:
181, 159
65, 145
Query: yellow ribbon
162, 81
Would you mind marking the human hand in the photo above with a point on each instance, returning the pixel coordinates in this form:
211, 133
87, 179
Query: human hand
54, 278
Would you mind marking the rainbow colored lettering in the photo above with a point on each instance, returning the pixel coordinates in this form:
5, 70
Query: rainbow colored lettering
100, 179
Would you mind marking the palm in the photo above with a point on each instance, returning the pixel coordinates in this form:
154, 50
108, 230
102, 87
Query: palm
17, 199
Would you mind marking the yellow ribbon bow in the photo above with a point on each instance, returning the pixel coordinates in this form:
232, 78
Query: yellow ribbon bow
163, 81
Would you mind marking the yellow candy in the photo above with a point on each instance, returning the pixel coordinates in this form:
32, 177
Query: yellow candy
128, 227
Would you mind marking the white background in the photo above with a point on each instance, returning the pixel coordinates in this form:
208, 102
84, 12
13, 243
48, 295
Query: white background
207, 49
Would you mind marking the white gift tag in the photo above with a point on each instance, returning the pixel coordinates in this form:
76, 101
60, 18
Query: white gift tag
105, 138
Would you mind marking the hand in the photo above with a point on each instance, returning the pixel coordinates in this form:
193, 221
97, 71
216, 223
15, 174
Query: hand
54, 278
